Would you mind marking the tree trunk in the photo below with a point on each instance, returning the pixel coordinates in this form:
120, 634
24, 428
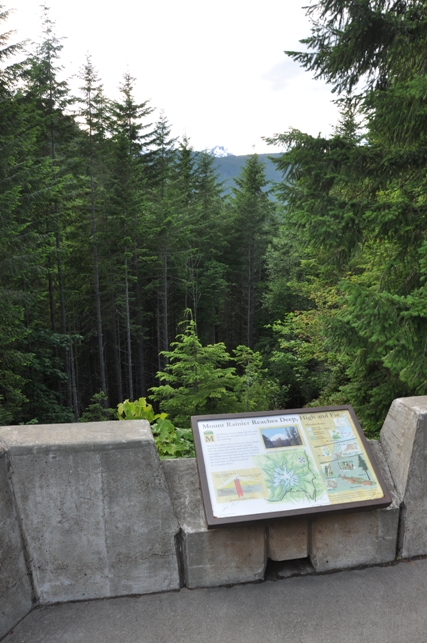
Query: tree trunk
73, 382
96, 279
128, 333
249, 317
158, 333
140, 339
165, 301
117, 351
63, 318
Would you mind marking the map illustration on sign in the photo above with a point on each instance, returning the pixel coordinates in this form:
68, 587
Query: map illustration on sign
291, 476
293, 461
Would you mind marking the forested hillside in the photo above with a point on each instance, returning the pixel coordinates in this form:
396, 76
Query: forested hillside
125, 266
113, 233
229, 167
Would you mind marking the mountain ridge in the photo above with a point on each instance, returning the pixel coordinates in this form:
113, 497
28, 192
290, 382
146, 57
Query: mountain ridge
230, 167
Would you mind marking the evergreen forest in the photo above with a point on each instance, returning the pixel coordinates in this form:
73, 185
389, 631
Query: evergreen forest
127, 270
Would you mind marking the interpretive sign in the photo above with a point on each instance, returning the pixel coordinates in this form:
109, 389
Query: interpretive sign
254, 466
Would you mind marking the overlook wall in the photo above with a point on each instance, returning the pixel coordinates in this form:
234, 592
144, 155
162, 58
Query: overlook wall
89, 511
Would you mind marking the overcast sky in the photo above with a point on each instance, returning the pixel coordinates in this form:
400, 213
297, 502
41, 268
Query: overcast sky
216, 69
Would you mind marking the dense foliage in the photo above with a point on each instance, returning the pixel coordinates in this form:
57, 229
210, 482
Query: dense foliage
356, 203
111, 230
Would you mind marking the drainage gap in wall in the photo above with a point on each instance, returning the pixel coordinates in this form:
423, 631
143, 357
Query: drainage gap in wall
276, 570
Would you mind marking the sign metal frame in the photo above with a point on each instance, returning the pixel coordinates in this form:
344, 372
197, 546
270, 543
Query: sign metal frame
344, 507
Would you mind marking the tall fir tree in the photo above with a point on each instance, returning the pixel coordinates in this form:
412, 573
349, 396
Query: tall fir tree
49, 97
93, 151
252, 212
128, 210
159, 162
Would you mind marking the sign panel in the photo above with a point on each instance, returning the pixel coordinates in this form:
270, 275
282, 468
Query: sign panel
254, 466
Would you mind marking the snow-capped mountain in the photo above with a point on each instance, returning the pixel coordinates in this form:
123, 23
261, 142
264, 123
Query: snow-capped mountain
219, 151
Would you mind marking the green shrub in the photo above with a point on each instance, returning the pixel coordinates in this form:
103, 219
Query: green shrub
171, 442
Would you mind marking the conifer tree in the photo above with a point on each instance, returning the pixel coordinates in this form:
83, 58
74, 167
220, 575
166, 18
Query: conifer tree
159, 161
208, 265
184, 229
252, 222
197, 379
15, 164
93, 114
50, 98
127, 204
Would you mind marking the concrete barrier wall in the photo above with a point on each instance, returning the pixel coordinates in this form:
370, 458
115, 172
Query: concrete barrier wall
15, 587
93, 513
95, 509
404, 441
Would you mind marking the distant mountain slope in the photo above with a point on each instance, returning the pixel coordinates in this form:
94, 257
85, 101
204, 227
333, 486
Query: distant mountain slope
229, 167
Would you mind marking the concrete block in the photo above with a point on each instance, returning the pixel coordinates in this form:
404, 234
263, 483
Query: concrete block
222, 556
287, 539
404, 441
360, 538
15, 586
95, 509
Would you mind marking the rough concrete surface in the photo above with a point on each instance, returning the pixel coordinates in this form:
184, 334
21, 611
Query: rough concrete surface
287, 539
375, 605
86, 436
95, 509
360, 538
407, 416
404, 440
215, 556
15, 587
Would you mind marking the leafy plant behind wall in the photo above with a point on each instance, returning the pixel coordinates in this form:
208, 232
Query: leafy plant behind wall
171, 441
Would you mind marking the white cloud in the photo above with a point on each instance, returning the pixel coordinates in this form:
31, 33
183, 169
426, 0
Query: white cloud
280, 74
218, 70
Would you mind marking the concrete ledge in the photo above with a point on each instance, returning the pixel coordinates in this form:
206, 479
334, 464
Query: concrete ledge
216, 556
95, 509
15, 588
82, 436
287, 539
404, 440
362, 538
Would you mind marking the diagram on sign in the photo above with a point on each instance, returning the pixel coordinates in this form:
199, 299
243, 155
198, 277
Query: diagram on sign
239, 485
